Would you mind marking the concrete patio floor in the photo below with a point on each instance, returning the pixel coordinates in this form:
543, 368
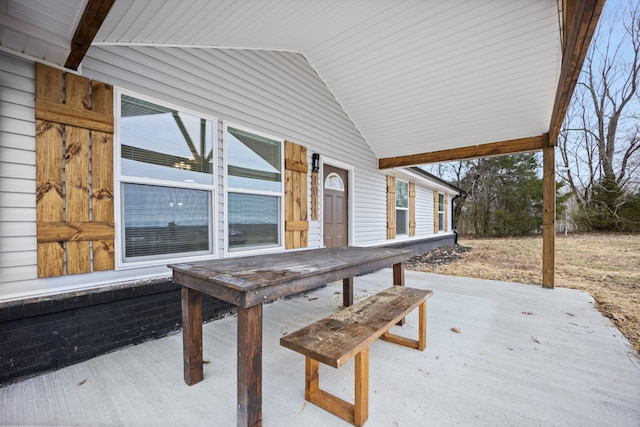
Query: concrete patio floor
526, 356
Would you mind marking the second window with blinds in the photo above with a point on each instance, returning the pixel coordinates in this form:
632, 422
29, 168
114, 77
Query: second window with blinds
254, 190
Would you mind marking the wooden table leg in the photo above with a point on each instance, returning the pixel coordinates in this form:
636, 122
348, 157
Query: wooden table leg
398, 274
347, 292
192, 335
398, 280
250, 366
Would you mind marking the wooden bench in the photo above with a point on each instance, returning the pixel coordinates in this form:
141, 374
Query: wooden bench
337, 338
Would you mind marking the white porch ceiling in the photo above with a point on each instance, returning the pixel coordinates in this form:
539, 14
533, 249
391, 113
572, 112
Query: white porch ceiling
414, 75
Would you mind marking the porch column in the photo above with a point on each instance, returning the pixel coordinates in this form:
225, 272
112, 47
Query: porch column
548, 213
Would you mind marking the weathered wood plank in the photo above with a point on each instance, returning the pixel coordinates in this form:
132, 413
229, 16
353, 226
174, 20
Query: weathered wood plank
520, 145
297, 226
49, 203
77, 175
192, 336
49, 184
256, 279
74, 116
102, 178
361, 406
250, 366
73, 231
337, 338
548, 217
296, 234
412, 209
347, 291
93, 16
296, 165
391, 207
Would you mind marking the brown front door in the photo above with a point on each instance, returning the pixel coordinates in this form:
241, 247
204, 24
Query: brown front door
336, 207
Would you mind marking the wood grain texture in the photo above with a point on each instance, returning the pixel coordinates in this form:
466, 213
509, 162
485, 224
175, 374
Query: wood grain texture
94, 14
250, 366
520, 145
192, 336
391, 207
102, 178
246, 281
412, 209
581, 21
77, 174
49, 172
74, 116
337, 338
295, 200
73, 231
348, 333
548, 217
74, 141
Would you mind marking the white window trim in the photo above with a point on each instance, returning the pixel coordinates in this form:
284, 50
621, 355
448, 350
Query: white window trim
406, 234
119, 180
265, 249
441, 226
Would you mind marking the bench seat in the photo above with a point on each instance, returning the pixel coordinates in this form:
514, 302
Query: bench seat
337, 338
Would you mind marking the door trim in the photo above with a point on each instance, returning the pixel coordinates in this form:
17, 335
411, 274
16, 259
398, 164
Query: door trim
350, 178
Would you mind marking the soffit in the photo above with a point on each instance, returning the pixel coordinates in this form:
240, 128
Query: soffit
414, 76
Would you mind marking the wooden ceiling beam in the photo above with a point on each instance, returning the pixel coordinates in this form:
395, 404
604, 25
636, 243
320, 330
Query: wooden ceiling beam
512, 146
579, 29
92, 18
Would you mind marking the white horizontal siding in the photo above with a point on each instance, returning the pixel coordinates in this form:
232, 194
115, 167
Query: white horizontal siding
17, 227
17, 172
17, 156
424, 211
17, 259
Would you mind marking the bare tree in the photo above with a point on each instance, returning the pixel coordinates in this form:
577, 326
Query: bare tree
600, 140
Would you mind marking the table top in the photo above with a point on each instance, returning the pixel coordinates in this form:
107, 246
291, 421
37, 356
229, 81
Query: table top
251, 280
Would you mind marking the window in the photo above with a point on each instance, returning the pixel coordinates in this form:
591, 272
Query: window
402, 207
334, 182
254, 190
440, 212
166, 181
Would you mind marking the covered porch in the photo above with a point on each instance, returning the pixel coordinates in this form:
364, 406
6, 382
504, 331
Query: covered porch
523, 356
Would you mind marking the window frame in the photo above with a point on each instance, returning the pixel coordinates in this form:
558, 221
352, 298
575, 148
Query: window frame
403, 209
227, 189
441, 213
122, 263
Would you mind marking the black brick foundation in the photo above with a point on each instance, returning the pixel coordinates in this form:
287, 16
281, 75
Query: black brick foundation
42, 334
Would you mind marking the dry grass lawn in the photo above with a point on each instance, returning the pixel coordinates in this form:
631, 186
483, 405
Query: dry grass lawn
605, 265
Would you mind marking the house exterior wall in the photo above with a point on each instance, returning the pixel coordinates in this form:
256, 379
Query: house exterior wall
277, 93
269, 92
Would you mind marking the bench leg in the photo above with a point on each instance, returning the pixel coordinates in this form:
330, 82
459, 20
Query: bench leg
356, 413
421, 342
361, 407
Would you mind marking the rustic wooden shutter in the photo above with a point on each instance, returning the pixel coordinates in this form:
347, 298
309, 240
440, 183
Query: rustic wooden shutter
391, 207
412, 209
74, 173
295, 196
435, 212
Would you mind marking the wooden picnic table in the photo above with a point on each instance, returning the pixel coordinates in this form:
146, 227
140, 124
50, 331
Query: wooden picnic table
248, 282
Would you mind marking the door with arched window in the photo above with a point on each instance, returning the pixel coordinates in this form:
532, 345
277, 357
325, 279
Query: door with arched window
335, 207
